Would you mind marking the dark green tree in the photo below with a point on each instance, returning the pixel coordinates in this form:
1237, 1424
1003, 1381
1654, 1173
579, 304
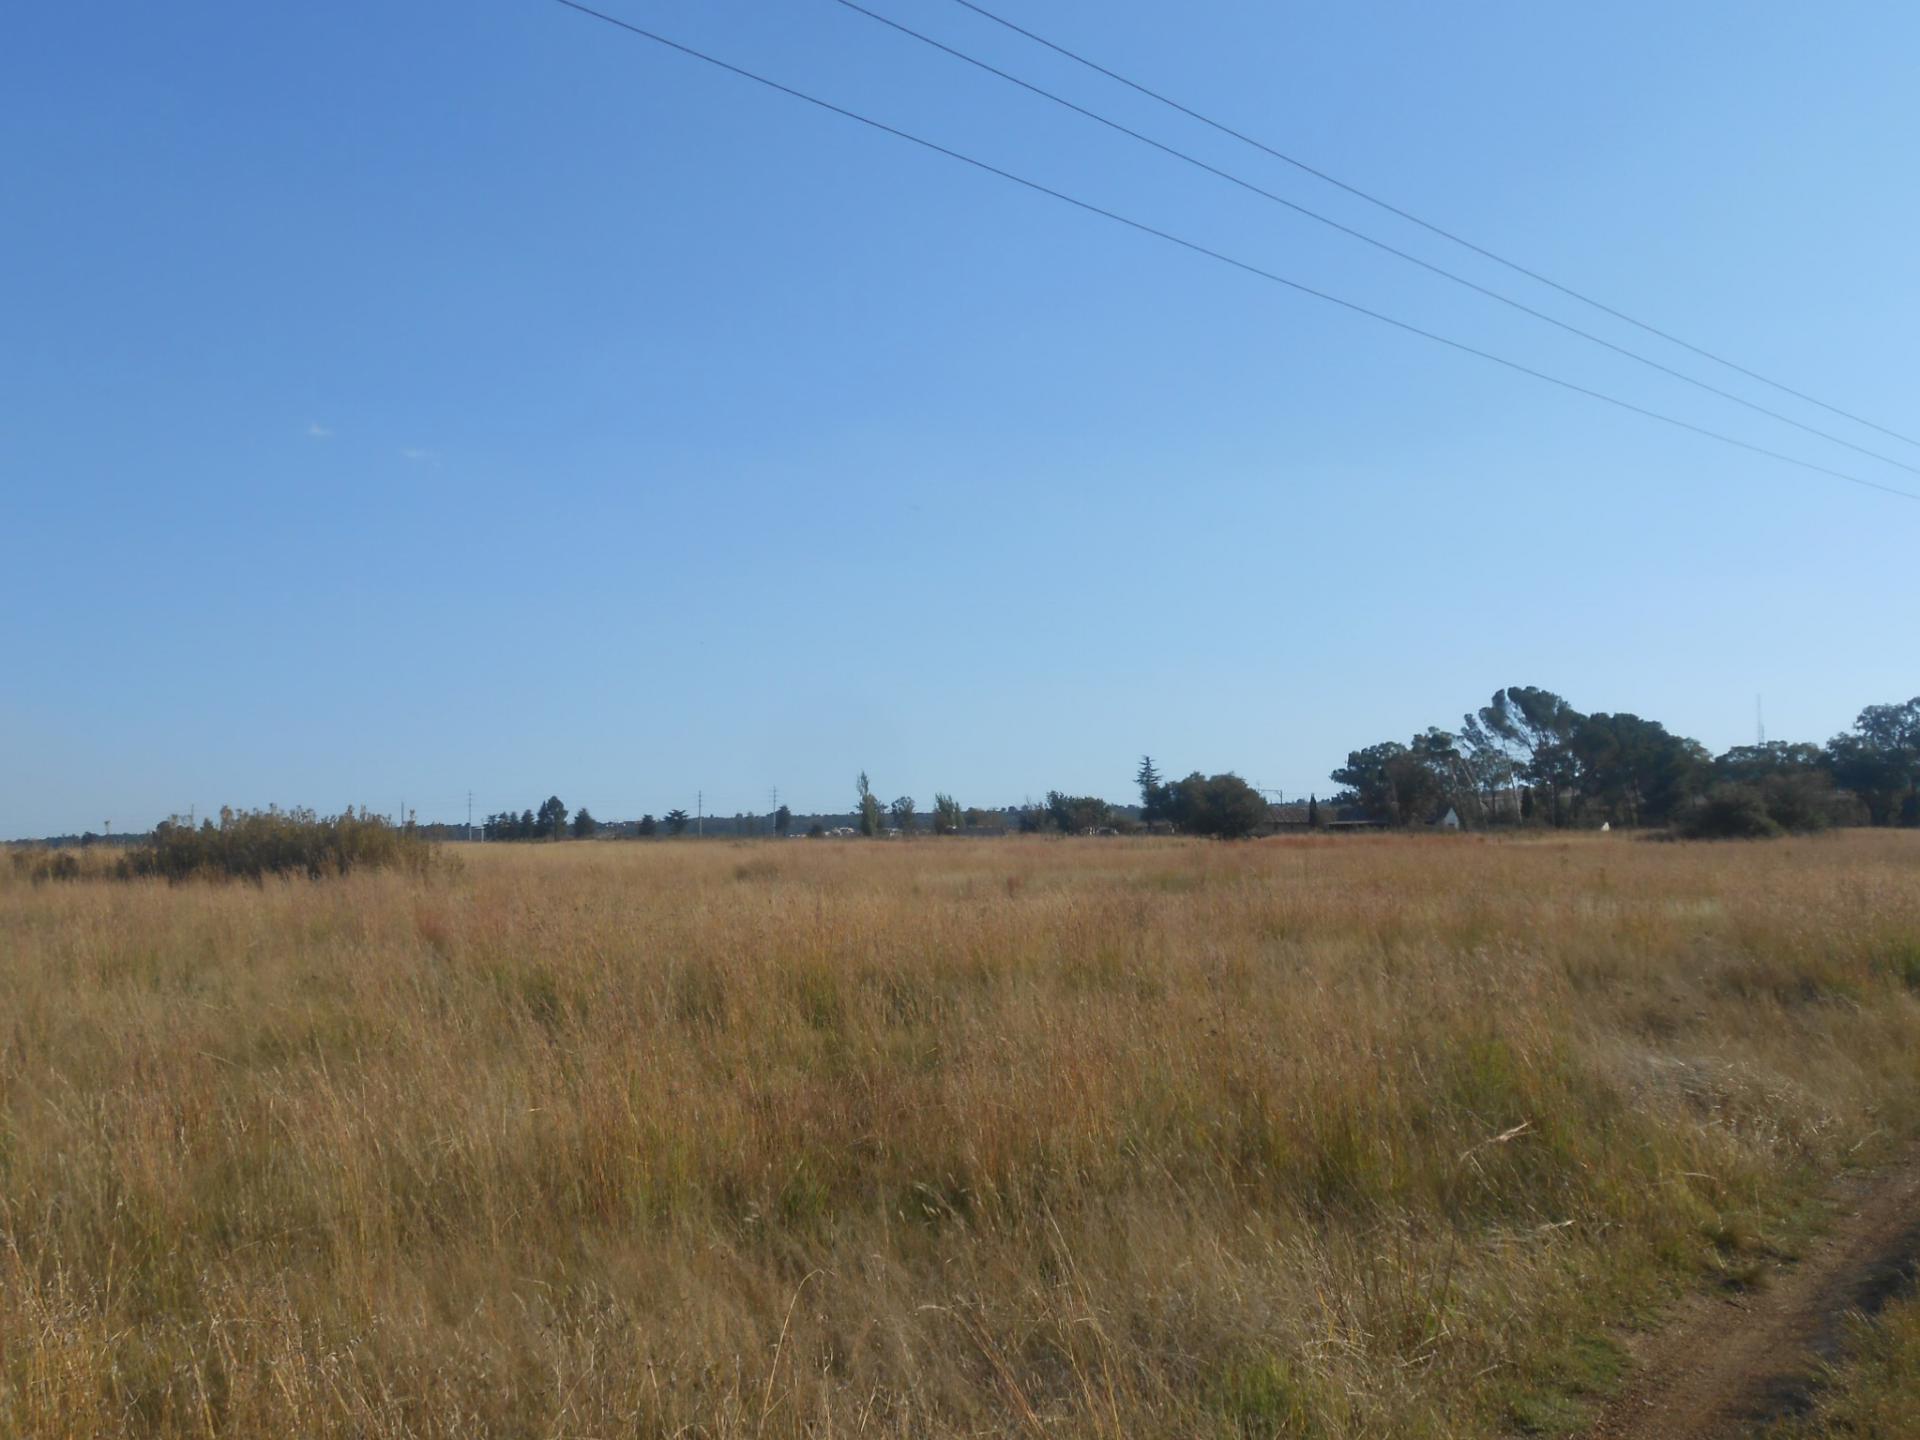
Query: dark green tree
551, 819
947, 815
1153, 790
584, 825
1745, 764
782, 821
901, 812
1879, 761
1634, 771
868, 815
1394, 783
647, 826
1224, 806
677, 822
1078, 814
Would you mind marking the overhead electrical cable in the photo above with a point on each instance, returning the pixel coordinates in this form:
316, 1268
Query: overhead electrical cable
1428, 225
1377, 243
1221, 257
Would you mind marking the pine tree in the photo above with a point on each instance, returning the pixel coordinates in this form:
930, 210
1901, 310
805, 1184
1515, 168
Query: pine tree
1153, 792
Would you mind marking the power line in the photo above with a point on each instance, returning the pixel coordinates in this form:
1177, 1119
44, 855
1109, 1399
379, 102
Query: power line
1427, 225
1220, 256
1374, 241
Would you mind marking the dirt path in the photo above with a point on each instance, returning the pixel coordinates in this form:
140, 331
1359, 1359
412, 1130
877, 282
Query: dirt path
1726, 1365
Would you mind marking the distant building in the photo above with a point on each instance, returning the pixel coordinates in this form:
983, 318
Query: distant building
1288, 819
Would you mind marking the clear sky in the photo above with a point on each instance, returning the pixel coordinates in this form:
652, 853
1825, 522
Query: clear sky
403, 399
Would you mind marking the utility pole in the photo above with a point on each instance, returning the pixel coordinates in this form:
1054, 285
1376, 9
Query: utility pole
469, 814
700, 814
1759, 722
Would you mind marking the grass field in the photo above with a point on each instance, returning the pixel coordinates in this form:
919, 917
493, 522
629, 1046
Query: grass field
1360, 1137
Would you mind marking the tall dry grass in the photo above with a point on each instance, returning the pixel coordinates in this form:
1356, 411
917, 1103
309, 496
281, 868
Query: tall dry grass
1351, 1138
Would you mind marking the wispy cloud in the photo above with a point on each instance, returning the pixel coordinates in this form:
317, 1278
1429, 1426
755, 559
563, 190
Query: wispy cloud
419, 456
317, 431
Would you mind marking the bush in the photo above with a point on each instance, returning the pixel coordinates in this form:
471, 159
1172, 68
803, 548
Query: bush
1729, 812
1797, 804
252, 844
40, 865
1802, 803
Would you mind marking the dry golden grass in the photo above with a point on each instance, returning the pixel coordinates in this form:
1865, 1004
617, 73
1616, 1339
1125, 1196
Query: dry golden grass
1368, 1137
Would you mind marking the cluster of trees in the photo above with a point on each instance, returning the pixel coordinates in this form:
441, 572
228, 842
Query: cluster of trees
1220, 805
1879, 761
870, 817
1530, 756
549, 822
1072, 814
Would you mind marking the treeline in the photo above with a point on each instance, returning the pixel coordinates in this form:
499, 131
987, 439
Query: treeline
1529, 757
1219, 805
549, 822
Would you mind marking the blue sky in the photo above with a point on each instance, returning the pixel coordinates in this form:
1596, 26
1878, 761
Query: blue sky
397, 400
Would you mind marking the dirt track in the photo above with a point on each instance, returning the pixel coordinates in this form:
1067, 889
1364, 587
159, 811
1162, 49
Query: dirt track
1725, 1366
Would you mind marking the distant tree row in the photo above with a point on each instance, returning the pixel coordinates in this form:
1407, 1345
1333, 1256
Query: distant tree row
1222, 805
547, 823
550, 822
1528, 756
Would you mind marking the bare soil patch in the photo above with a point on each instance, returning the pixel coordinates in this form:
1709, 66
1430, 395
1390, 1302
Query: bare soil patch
1728, 1365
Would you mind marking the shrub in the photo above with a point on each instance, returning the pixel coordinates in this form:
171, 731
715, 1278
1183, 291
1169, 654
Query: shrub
252, 844
1728, 812
1801, 803
1798, 804
40, 865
